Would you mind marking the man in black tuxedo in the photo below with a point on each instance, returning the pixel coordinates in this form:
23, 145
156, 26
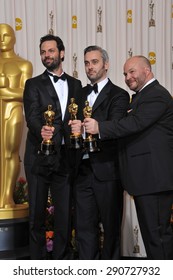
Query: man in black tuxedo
147, 158
98, 191
55, 88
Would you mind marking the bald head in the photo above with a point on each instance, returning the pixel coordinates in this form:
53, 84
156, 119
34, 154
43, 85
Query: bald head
137, 72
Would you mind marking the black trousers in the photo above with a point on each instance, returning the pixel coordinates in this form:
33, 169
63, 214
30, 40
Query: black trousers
154, 213
60, 187
97, 201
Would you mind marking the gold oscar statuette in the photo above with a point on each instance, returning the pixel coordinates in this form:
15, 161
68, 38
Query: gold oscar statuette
75, 138
75, 73
136, 249
14, 71
99, 27
48, 146
51, 15
90, 142
151, 21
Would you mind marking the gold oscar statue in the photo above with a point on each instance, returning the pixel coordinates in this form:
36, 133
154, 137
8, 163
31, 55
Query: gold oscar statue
90, 143
136, 249
48, 146
75, 138
14, 71
99, 27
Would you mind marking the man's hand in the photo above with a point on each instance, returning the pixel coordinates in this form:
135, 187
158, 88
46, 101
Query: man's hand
76, 126
47, 132
91, 126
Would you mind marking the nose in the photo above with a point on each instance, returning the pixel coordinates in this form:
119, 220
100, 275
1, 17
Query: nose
45, 55
127, 77
2, 37
90, 66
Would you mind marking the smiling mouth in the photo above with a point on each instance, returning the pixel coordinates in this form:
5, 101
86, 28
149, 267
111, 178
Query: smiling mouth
48, 60
130, 84
91, 73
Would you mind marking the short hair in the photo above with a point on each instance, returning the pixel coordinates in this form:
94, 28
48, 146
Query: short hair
50, 37
144, 59
103, 52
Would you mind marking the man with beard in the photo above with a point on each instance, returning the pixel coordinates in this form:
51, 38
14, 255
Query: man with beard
52, 89
98, 191
147, 154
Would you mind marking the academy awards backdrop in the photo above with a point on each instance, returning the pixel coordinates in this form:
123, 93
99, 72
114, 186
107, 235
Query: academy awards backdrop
123, 27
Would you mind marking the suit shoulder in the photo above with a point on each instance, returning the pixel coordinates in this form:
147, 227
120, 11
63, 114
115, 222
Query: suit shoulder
35, 79
72, 79
118, 88
115, 89
156, 90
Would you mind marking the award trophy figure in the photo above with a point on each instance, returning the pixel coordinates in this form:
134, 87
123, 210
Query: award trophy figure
151, 21
136, 246
90, 143
75, 138
48, 146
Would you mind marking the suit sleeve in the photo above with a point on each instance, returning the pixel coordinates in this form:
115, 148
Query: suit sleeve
145, 115
118, 106
34, 94
32, 110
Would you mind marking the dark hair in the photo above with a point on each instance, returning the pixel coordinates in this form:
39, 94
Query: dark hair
50, 37
97, 48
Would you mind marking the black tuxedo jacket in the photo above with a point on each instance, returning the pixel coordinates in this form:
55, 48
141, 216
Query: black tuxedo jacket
111, 103
39, 92
146, 135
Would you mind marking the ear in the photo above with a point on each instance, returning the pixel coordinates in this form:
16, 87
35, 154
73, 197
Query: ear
62, 54
148, 70
106, 65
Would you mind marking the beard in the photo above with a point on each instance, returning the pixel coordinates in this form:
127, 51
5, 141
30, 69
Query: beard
52, 63
95, 76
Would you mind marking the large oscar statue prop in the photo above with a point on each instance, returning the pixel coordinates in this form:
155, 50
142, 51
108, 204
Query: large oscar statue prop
14, 71
75, 138
90, 143
48, 146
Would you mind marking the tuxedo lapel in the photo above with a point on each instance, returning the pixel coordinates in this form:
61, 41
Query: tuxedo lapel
49, 89
84, 97
49, 86
70, 89
70, 95
102, 96
137, 96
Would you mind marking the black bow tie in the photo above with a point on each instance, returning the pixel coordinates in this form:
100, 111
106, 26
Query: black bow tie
90, 88
56, 78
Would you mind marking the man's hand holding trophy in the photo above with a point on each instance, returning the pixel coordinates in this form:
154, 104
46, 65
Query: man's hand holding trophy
76, 137
48, 145
89, 143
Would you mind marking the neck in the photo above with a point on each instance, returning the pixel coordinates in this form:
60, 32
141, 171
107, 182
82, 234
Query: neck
8, 54
58, 71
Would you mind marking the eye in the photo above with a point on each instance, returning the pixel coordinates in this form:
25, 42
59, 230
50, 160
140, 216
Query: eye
42, 52
95, 61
